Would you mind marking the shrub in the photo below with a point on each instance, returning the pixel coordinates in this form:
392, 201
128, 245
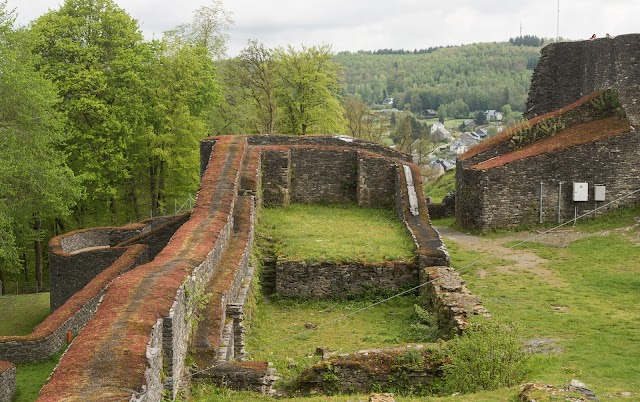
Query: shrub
488, 356
425, 328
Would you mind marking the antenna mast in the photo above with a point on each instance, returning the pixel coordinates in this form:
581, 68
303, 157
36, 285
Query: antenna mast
558, 24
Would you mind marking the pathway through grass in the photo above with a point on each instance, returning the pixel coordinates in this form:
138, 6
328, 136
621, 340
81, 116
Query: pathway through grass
580, 302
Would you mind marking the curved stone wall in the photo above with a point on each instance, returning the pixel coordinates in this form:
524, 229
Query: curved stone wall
77, 257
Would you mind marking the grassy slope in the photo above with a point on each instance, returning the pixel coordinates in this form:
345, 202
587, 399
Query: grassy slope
581, 299
20, 314
586, 304
441, 186
337, 233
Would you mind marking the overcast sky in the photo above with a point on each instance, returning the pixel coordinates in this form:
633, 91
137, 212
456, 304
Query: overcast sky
377, 24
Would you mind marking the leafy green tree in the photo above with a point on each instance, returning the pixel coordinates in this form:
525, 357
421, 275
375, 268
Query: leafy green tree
208, 28
92, 50
403, 134
257, 74
308, 93
180, 92
506, 111
442, 113
480, 118
36, 186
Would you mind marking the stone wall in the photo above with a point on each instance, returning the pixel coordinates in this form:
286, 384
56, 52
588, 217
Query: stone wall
276, 177
51, 335
376, 181
508, 196
77, 257
7, 381
325, 280
409, 370
328, 141
567, 71
320, 169
322, 175
447, 297
68, 273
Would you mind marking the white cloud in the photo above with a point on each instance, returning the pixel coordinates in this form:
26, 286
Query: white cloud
375, 24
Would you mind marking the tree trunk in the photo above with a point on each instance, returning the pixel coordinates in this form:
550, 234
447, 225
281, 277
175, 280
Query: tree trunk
37, 249
161, 187
2, 288
153, 186
114, 210
24, 266
134, 200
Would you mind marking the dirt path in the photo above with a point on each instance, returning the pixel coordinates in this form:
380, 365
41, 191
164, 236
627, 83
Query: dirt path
520, 261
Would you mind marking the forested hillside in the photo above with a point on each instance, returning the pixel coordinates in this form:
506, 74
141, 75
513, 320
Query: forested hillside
483, 75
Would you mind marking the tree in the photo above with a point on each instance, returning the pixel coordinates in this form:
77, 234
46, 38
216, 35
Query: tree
308, 91
257, 71
36, 185
92, 50
361, 121
480, 118
403, 134
180, 91
506, 111
208, 29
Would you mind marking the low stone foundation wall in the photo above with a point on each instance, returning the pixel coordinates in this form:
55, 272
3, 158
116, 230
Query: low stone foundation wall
252, 376
412, 369
449, 299
325, 280
7, 381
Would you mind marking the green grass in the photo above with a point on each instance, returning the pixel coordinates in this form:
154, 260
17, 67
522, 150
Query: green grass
277, 334
21, 314
441, 186
31, 377
214, 394
277, 319
584, 304
617, 218
336, 233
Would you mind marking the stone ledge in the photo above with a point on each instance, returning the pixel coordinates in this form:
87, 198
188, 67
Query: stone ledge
448, 298
7, 381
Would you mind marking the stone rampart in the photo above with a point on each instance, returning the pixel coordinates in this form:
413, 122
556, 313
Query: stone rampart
7, 381
67, 321
162, 297
328, 141
568, 71
77, 257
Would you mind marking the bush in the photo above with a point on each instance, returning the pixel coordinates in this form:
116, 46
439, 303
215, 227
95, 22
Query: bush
425, 328
488, 356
